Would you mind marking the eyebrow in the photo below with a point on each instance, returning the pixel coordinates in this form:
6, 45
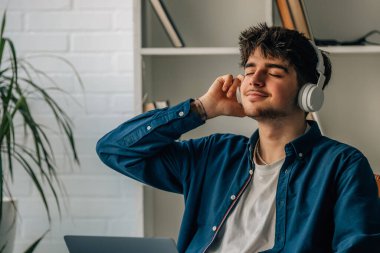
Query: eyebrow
269, 65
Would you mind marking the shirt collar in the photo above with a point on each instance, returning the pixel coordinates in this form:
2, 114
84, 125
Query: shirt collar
301, 145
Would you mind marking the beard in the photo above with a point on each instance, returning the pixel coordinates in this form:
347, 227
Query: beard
271, 113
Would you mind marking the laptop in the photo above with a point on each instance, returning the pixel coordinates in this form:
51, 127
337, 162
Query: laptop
109, 244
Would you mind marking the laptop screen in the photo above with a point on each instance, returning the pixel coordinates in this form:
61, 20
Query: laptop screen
108, 244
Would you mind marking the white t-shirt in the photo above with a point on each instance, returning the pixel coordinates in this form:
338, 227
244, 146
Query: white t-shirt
251, 225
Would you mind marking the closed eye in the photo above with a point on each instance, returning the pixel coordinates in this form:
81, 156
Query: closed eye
276, 75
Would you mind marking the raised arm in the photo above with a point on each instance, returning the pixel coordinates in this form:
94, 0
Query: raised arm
145, 147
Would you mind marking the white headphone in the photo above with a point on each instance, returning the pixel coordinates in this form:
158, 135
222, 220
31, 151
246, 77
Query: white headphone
310, 96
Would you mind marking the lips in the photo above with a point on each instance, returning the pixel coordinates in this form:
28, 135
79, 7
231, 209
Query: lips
255, 95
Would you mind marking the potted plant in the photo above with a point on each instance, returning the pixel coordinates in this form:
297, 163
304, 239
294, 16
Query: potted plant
17, 88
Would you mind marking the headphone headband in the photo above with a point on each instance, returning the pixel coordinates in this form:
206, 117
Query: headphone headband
320, 65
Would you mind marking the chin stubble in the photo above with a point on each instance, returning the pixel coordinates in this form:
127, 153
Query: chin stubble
270, 113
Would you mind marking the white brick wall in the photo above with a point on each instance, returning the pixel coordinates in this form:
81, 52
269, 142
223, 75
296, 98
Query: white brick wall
41, 42
42, 5
97, 37
69, 21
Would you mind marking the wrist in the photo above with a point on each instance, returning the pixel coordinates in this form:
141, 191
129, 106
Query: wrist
209, 107
198, 107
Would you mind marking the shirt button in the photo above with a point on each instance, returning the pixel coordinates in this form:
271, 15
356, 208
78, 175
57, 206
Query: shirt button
233, 197
300, 155
148, 128
181, 114
286, 171
214, 228
250, 172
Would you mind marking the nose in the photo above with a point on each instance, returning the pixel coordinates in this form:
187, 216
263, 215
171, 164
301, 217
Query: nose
257, 79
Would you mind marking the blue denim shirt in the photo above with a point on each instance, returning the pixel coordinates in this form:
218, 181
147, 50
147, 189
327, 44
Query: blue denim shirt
326, 196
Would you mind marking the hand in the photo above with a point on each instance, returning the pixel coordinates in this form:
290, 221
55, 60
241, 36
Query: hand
220, 99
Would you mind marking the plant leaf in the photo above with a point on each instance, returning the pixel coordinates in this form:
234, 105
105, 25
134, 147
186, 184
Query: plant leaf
16, 92
35, 244
3, 21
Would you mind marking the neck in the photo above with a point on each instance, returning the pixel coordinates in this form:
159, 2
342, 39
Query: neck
275, 134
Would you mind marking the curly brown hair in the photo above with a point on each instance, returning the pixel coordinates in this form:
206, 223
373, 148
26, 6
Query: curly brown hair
285, 44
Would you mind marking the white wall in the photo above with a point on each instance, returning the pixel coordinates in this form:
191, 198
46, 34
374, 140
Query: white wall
97, 37
350, 113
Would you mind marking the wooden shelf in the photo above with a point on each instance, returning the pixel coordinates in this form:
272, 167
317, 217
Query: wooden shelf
235, 51
191, 51
352, 49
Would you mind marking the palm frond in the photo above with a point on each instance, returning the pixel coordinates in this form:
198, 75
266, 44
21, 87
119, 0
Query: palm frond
35, 244
18, 88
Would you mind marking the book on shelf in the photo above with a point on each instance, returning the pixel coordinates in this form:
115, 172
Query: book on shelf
285, 16
159, 104
294, 16
167, 22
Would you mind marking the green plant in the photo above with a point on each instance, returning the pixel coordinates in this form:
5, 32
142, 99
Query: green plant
17, 88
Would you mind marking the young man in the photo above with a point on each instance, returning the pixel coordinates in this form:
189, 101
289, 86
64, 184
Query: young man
285, 189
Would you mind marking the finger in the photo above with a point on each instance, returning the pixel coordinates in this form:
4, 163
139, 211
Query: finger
240, 77
217, 85
233, 88
227, 82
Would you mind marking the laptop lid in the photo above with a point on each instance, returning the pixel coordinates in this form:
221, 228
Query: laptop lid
108, 244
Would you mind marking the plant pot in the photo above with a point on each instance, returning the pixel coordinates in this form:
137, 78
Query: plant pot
8, 226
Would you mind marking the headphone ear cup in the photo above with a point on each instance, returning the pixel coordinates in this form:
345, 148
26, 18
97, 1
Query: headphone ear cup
238, 95
302, 96
316, 98
310, 98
